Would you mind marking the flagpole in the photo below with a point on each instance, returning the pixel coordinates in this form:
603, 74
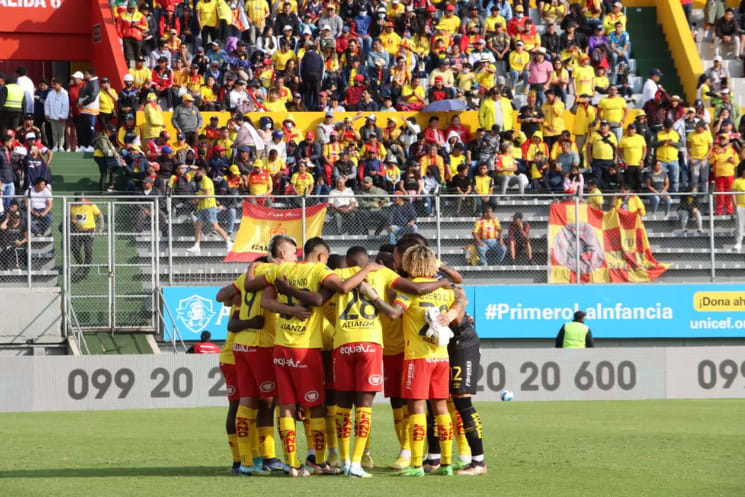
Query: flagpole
711, 237
302, 209
576, 239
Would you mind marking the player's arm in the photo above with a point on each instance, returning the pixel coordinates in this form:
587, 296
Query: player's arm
405, 285
237, 324
392, 311
334, 283
452, 274
255, 284
270, 303
306, 297
458, 310
226, 294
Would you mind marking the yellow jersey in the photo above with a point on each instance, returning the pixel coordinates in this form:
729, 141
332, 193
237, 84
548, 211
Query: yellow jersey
207, 13
584, 79
720, 160
583, 118
700, 143
416, 344
280, 59
483, 184
226, 352
612, 109
84, 216
487, 229
738, 188
601, 149
668, 153
553, 117
519, 60
449, 24
356, 316
302, 183
291, 332
632, 149
250, 308
206, 190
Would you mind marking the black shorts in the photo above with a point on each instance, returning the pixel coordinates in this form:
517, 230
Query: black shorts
464, 369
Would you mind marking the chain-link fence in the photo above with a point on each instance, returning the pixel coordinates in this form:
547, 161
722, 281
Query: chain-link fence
112, 255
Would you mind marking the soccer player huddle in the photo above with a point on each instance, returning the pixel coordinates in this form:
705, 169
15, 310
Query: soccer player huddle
314, 340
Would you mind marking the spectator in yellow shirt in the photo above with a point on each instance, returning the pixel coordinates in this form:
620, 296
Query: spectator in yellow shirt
391, 40
274, 104
630, 202
140, 73
518, 61
667, 142
583, 77
633, 151
613, 109
700, 144
450, 23
553, 118
207, 20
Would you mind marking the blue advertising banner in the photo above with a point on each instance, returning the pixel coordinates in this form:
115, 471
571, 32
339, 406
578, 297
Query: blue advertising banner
195, 310
613, 311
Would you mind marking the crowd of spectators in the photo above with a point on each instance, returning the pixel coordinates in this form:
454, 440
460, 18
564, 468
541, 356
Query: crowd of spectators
243, 57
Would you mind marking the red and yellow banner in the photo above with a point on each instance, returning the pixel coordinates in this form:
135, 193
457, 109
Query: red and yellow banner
613, 246
259, 224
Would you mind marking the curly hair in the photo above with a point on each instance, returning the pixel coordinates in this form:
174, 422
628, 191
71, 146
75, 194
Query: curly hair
419, 262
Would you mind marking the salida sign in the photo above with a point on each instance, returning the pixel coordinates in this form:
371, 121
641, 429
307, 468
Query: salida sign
31, 4
49, 17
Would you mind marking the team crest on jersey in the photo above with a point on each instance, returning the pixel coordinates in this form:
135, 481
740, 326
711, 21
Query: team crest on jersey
267, 386
195, 313
375, 379
311, 396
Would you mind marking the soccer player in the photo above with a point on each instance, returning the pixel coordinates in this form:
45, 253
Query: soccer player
426, 363
227, 366
357, 358
253, 344
298, 362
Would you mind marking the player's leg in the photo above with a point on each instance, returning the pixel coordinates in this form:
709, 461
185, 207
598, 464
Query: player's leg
392, 367
310, 386
368, 379
231, 379
331, 438
262, 372
265, 427
415, 389
469, 359
432, 458
459, 433
439, 391
287, 399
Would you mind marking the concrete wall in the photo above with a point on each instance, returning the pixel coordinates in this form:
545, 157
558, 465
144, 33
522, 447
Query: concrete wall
31, 315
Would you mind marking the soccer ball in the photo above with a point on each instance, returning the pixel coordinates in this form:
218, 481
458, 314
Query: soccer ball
507, 396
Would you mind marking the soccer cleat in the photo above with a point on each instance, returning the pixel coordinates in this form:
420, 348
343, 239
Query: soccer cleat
236, 468
431, 465
458, 464
300, 472
401, 463
245, 470
357, 472
367, 461
443, 470
473, 470
345, 468
273, 464
327, 469
334, 459
258, 467
412, 472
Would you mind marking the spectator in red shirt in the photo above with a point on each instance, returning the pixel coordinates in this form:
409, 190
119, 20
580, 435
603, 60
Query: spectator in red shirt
433, 134
76, 84
457, 127
204, 346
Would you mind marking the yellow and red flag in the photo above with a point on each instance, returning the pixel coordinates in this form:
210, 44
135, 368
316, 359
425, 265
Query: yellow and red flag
259, 224
612, 246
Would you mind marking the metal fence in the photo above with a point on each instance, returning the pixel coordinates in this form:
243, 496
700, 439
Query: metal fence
112, 273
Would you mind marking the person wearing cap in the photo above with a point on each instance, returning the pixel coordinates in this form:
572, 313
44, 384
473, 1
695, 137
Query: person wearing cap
583, 77
56, 111
107, 102
651, 85
154, 123
700, 145
131, 26
128, 127
633, 151
715, 78
602, 150
666, 143
140, 73
187, 119
516, 23
85, 219
575, 334
724, 159
27, 127
129, 97
331, 20
518, 64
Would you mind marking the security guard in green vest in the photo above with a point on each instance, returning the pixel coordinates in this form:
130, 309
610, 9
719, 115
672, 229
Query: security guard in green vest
12, 103
575, 334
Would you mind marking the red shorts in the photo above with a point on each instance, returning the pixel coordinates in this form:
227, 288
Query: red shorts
231, 381
299, 374
426, 378
255, 371
392, 370
358, 367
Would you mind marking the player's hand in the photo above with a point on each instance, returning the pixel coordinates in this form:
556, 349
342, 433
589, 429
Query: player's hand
442, 320
460, 293
300, 312
368, 291
300, 413
282, 285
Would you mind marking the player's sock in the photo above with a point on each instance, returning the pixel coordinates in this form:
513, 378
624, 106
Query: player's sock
398, 423
233, 443
318, 438
266, 442
308, 440
464, 450
253, 433
472, 427
289, 441
417, 434
330, 419
242, 424
433, 442
405, 433
362, 424
343, 432
444, 426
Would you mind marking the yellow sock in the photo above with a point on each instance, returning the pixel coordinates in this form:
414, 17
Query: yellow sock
459, 431
318, 438
242, 432
289, 441
343, 432
233, 443
405, 433
331, 427
253, 434
444, 427
417, 435
398, 423
362, 424
369, 437
266, 441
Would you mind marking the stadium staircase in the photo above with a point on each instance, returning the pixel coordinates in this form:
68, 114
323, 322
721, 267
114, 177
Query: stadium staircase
734, 65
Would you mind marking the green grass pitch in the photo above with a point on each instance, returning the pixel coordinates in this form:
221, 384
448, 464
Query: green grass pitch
639, 448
